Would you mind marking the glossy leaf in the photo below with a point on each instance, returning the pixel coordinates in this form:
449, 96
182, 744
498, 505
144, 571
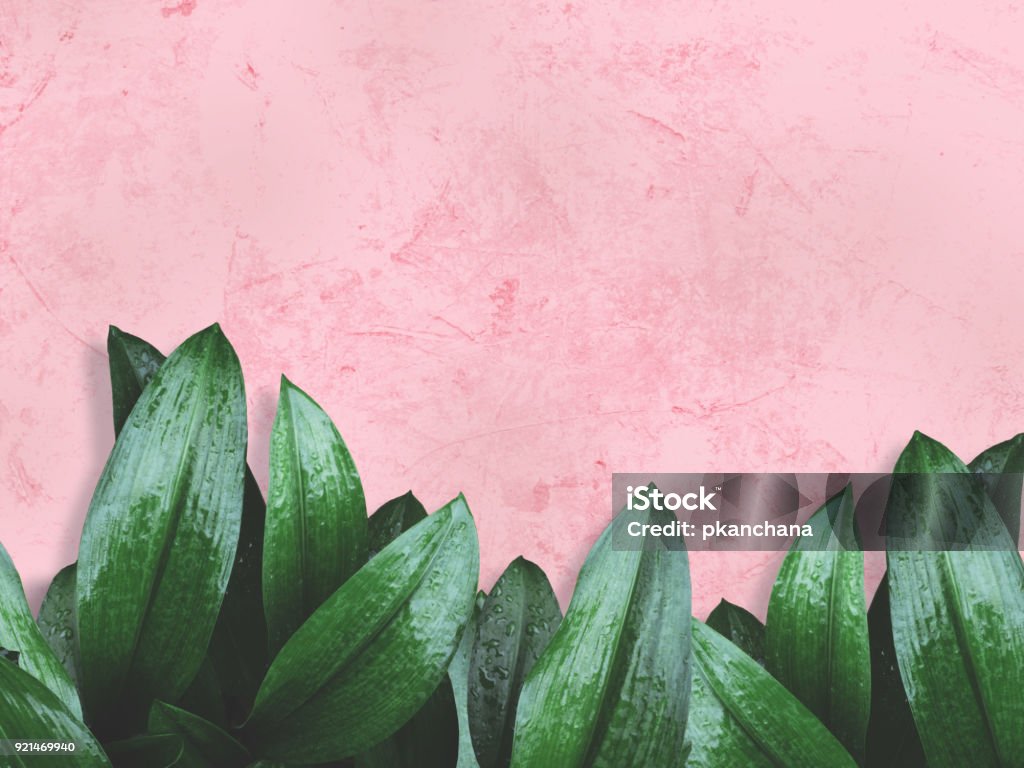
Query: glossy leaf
518, 618
57, 620
133, 363
161, 533
892, 740
146, 751
205, 745
31, 711
458, 673
957, 616
1002, 469
19, 632
392, 519
432, 737
376, 650
316, 515
817, 631
238, 647
740, 626
612, 688
742, 716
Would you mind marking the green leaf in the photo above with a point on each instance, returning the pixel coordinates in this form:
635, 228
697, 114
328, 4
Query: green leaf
376, 650
740, 626
892, 736
57, 620
161, 751
458, 673
31, 711
742, 716
133, 363
516, 623
316, 515
817, 630
392, 519
204, 696
1002, 469
161, 534
238, 647
19, 632
432, 737
612, 688
957, 616
205, 745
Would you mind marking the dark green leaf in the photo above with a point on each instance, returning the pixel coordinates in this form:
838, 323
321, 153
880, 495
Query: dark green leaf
376, 650
238, 647
612, 688
133, 363
458, 673
429, 740
316, 515
892, 735
30, 711
161, 534
393, 518
57, 619
741, 627
160, 751
1002, 469
817, 630
205, 745
742, 716
433, 736
518, 619
957, 616
19, 632
204, 696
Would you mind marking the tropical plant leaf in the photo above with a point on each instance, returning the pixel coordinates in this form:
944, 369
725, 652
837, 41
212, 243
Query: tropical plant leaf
742, 716
817, 630
458, 673
29, 711
433, 736
238, 647
430, 739
19, 632
892, 740
205, 745
957, 616
612, 688
375, 651
315, 535
57, 620
518, 618
392, 519
145, 751
160, 535
1002, 470
133, 363
204, 696
740, 626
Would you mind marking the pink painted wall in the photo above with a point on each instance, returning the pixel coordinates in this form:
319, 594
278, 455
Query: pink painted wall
514, 250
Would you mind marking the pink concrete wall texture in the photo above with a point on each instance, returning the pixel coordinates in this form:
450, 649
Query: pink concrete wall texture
514, 247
